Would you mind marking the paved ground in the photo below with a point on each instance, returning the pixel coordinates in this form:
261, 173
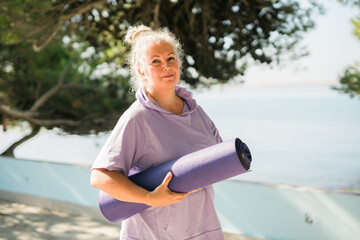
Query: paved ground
24, 222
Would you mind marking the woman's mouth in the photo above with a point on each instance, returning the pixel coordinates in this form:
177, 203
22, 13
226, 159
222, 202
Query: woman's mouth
168, 76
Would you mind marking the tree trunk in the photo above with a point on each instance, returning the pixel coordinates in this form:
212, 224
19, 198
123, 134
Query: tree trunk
10, 151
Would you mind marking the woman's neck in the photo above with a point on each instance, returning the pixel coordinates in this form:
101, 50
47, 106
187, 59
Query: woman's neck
167, 99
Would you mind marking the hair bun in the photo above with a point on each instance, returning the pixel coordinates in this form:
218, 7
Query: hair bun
134, 32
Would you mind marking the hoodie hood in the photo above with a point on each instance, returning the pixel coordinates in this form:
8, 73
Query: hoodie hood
184, 94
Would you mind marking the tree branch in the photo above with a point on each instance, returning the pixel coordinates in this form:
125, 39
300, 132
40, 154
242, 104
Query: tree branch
156, 22
52, 91
87, 6
31, 117
14, 113
10, 151
54, 122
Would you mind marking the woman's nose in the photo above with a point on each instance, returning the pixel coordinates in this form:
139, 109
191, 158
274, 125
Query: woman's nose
167, 65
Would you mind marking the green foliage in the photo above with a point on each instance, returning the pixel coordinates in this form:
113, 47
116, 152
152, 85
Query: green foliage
92, 104
356, 23
218, 36
17, 18
350, 81
356, 20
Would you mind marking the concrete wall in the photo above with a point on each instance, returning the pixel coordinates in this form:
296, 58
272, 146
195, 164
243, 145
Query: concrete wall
255, 209
51, 185
64, 182
287, 212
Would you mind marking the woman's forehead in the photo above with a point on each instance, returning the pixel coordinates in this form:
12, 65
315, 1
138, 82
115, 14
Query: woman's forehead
160, 48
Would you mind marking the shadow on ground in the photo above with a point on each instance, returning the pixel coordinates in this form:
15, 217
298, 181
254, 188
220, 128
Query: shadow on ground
22, 222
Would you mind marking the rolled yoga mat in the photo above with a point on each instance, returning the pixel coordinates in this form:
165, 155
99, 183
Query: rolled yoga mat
190, 172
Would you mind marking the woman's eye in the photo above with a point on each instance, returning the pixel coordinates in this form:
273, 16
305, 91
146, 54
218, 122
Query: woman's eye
171, 58
155, 61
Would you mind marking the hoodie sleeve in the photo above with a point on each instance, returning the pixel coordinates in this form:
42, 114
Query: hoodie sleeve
123, 147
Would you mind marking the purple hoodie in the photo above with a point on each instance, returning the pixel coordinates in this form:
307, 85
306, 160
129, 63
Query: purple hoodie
147, 135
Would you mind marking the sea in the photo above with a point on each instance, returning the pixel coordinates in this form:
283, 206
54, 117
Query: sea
302, 136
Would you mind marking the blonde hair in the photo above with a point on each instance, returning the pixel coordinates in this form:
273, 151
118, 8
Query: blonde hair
140, 37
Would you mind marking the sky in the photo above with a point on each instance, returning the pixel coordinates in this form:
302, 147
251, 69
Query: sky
332, 47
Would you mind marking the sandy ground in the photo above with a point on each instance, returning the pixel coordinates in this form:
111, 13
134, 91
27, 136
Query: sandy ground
24, 222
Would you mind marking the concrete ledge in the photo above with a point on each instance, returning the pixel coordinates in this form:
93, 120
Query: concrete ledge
244, 208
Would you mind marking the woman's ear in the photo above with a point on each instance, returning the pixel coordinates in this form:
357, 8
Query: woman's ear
141, 72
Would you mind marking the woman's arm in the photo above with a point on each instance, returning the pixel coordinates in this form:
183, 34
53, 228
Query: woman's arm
118, 186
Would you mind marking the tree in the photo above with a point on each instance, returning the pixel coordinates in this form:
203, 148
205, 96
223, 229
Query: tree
49, 89
217, 35
350, 79
52, 85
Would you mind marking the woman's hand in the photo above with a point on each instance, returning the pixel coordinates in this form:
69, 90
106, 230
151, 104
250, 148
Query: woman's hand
163, 196
120, 187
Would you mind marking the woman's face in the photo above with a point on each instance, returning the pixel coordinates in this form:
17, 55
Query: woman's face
160, 68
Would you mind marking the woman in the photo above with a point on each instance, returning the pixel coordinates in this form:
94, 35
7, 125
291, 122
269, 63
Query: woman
164, 123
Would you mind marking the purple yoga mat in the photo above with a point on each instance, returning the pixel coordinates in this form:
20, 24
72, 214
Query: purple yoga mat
190, 172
